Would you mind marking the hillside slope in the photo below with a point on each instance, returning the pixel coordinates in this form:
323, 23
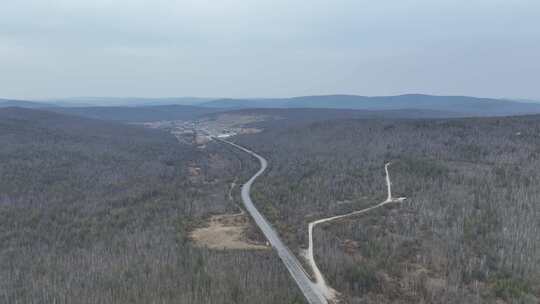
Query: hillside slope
468, 232
138, 114
464, 105
100, 212
126, 101
4, 103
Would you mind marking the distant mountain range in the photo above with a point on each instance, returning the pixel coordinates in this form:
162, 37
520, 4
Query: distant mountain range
103, 102
99, 107
127, 101
457, 104
138, 114
4, 103
79, 118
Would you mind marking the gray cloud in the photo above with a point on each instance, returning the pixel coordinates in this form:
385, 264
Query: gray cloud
268, 48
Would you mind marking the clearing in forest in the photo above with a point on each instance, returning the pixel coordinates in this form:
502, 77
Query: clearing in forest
226, 231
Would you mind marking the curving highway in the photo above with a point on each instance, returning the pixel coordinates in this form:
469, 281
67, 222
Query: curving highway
310, 290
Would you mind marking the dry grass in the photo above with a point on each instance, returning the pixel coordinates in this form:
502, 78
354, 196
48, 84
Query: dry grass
225, 232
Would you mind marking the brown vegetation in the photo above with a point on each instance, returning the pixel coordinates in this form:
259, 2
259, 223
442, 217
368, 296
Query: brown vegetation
469, 232
226, 231
96, 212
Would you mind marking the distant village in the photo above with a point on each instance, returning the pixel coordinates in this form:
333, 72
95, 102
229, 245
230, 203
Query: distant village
200, 132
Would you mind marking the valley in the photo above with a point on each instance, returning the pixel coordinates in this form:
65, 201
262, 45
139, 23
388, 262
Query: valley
269, 152
467, 231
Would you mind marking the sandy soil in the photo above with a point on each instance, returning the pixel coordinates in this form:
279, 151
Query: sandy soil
225, 232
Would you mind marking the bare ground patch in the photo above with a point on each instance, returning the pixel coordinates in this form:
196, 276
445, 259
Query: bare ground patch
226, 231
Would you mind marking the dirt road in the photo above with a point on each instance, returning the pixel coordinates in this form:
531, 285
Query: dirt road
320, 282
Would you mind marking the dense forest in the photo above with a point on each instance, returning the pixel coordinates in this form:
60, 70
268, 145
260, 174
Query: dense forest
99, 212
468, 233
138, 114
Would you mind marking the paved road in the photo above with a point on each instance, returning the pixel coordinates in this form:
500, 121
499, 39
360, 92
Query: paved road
311, 292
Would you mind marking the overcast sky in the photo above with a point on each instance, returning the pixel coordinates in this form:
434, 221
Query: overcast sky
269, 48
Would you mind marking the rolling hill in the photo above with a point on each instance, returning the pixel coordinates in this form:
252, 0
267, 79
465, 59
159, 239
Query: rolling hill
294, 117
187, 108
138, 114
468, 106
89, 205
4, 103
127, 101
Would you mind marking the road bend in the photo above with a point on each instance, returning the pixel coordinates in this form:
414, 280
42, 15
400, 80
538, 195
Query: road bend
320, 282
310, 290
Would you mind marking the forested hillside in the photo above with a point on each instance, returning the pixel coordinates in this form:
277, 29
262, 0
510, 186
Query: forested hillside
463, 105
469, 232
138, 114
5, 103
97, 212
286, 118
